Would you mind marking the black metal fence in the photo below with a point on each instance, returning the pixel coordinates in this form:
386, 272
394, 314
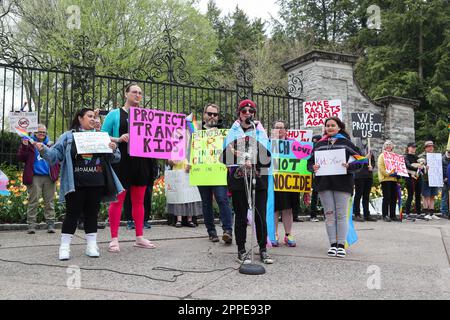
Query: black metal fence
56, 94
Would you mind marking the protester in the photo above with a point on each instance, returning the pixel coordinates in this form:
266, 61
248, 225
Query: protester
243, 155
86, 180
428, 192
211, 121
388, 185
135, 173
284, 201
39, 178
363, 185
335, 191
314, 193
413, 181
445, 189
187, 209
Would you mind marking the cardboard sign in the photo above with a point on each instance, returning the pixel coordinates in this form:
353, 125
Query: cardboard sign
290, 165
92, 142
315, 112
177, 188
301, 135
157, 134
206, 147
291, 149
366, 125
23, 120
292, 182
435, 174
395, 163
330, 162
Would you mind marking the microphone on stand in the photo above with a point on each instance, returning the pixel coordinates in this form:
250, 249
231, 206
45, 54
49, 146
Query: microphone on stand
250, 120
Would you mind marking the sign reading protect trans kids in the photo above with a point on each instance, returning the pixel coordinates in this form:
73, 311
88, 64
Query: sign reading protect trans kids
315, 112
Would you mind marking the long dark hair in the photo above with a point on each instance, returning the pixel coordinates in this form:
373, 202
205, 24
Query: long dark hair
80, 113
340, 124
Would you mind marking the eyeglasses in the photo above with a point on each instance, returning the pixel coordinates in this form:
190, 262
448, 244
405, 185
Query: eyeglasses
212, 114
244, 111
42, 132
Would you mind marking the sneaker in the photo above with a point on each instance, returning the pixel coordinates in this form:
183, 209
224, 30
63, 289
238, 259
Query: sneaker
213, 238
341, 253
31, 229
130, 225
332, 252
289, 240
435, 217
227, 238
428, 217
147, 225
178, 224
409, 218
395, 219
92, 251
387, 219
265, 258
275, 243
64, 252
359, 219
243, 257
314, 220
370, 218
50, 227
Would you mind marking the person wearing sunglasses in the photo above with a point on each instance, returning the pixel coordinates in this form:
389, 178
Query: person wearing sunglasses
210, 121
242, 155
39, 177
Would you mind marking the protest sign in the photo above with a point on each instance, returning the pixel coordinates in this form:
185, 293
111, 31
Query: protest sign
435, 174
27, 121
366, 125
300, 135
92, 142
177, 188
157, 134
315, 112
292, 182
395, 164
330, 162
291, 149
206, 147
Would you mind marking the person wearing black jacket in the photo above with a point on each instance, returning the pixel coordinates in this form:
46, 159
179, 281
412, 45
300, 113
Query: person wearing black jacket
414, 181
335, 191
363, 185
242, 155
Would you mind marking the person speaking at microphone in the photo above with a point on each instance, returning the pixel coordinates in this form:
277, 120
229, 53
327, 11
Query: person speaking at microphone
244, 155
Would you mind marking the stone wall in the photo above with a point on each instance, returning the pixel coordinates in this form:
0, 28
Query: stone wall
328, 76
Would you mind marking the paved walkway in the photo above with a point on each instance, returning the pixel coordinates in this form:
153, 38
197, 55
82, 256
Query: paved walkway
408, 260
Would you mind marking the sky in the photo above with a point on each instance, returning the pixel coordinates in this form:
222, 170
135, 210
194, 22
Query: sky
253, 8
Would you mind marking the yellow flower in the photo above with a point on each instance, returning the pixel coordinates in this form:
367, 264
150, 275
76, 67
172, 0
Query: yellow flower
41, 200
25, 202
8, 202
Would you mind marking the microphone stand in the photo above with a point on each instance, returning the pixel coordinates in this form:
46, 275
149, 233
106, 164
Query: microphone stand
251, 268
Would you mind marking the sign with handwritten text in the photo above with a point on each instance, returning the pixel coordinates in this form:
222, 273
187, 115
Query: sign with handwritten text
92, 142
315, 112
330, 162
157, 134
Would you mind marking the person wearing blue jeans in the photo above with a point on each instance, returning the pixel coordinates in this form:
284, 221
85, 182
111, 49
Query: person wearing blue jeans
210, 121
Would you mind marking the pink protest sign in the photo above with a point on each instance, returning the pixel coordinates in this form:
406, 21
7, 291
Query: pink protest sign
315, 112
157, 134
395, 164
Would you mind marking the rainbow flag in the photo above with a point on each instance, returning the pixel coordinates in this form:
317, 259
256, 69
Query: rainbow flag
399, 196
23, 133
191, 122
352, 237
360, 159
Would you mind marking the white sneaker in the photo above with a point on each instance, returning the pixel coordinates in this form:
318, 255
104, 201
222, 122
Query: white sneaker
64, 252
92, 251
428, 217
332, 252
314, 220
435, 217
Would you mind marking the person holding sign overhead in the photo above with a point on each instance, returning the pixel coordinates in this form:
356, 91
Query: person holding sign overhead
135, 173
335, 191
86, 180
